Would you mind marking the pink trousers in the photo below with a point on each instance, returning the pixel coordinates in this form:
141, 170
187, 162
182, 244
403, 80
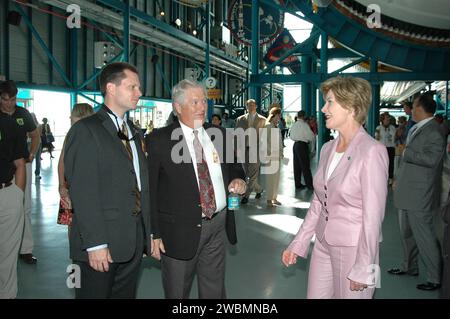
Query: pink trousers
328, 272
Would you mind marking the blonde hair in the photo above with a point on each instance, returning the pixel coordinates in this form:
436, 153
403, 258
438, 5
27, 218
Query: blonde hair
353, 94
273, 112
81, 110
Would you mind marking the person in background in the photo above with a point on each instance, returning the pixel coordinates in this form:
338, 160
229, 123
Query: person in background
47, 137
304, 140
227, 122
79, 111
417, 192
251, 120
28, 129
348, 206
273, 151
12, 187
37, 170
385, 133
216, 120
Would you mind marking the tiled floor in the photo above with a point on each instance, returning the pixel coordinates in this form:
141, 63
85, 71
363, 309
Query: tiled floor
254, 269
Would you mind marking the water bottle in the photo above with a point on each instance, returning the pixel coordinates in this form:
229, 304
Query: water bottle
233, 201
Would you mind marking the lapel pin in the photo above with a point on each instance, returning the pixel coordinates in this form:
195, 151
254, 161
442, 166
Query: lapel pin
349, 158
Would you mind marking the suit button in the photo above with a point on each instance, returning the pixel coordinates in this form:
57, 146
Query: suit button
326, 196
133, 193
132, 172
325, 203
326, 218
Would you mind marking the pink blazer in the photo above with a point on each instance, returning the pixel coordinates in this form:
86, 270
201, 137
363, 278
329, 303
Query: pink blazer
348, 208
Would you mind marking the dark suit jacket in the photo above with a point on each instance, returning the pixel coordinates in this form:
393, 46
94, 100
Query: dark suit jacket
101, 181
175, 200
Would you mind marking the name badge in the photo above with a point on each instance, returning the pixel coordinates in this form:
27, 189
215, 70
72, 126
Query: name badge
216, 158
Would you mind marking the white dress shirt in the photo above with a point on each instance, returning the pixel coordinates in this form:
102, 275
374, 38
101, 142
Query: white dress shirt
413, 130
387, 135
300, 131
212, 159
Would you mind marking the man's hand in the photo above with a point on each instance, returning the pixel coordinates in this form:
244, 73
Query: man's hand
99, 259
30, 158
237, 186
157, 248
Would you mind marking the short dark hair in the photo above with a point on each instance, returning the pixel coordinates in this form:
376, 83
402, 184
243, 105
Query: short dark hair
301, 114
216, 115
114, 73
9, 87
426, 101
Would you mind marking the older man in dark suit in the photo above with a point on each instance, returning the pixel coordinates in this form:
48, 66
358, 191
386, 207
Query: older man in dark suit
417, 193
107, 178
191, 173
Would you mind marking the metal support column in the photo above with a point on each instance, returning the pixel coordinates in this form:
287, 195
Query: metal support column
126, 31
447, 111
372, 120
30, 49
323, 132
306, 86
255, 90
208, 43
74, 63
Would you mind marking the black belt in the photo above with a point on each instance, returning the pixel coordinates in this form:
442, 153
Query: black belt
4, 185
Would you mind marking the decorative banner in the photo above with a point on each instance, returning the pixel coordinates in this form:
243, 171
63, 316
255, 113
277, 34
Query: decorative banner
271, 21
281, 45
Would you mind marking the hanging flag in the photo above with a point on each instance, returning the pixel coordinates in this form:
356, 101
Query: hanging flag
281, 45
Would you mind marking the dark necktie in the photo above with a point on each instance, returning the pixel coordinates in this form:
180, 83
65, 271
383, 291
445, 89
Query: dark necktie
126, 143
207, 197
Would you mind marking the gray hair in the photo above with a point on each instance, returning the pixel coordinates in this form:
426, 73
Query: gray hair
181, 87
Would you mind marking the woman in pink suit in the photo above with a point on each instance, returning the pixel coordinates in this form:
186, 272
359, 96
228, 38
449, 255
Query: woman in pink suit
350, 188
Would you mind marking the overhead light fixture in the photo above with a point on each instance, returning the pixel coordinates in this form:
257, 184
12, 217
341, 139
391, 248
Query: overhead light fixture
194, 32
162, 13
178, 22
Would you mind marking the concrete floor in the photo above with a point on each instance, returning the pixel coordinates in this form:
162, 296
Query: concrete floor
254, 269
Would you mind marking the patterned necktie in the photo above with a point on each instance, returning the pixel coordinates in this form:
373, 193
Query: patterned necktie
126, 143
207, 197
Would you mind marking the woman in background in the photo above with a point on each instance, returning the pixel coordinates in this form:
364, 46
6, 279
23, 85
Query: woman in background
79, 111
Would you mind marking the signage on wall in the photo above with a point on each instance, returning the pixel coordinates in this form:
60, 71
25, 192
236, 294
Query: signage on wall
270, 21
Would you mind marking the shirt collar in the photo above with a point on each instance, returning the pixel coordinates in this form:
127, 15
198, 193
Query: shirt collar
188, 132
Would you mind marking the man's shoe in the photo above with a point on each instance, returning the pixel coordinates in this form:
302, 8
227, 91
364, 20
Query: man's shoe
270, 203
28, 258
397, 271
244, 200
258, 195
300, 187
428, 286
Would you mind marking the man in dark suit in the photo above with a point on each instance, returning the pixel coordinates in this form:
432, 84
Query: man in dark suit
445, 293
417, 193
107, 178
190, 178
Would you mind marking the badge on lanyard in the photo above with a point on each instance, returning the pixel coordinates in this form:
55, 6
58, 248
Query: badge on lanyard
216, 158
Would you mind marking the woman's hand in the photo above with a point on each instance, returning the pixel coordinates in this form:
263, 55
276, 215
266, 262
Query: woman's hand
288, 258
356, 286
